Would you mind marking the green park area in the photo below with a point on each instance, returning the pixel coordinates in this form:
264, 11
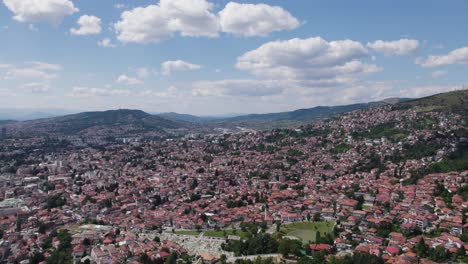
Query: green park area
307, 231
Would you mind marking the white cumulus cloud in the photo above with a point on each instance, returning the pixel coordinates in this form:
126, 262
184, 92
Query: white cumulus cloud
191, 17
155, 23
88, 25
305, 71
98, 91
395, 48
255, 19
312, 58
51, 11
168, 67
195, 18
33, 70
236, 88
458, 56
171, 93
125, 79
257, 88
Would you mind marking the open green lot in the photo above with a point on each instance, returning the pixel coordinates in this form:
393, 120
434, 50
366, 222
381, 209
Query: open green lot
307, 231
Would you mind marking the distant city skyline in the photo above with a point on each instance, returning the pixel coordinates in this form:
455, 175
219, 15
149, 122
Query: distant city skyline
217, 57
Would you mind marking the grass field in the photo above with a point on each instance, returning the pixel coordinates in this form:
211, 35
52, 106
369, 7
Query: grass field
307, 231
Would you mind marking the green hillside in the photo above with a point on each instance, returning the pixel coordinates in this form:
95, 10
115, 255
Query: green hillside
105, 122
456, 102
136, 118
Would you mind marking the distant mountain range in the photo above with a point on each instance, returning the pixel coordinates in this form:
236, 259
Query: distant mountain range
280, 118
186, 117
307, 114
127, 121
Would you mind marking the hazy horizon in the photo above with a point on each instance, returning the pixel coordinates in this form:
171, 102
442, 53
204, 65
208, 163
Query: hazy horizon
23, 114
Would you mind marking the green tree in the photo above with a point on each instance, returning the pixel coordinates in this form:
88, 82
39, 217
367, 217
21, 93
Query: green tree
42, 228
318, 258
36, 258
357, 258
439, 254
289, 246
62, 255
278, 226
172, 259
258, 244
204, 217
54, 201
18, 224
421, 248
317, 217
360, 200
223, 259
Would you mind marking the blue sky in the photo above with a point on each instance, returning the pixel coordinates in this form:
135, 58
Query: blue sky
217, 57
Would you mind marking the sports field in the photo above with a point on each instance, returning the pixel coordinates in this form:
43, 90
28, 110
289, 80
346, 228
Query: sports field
307, 231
